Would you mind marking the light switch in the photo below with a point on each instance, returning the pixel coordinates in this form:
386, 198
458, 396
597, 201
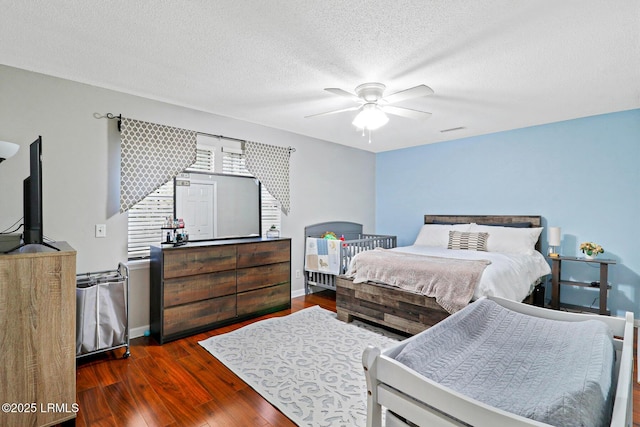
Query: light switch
101, 230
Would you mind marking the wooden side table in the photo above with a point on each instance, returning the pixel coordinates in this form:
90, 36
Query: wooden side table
556, 281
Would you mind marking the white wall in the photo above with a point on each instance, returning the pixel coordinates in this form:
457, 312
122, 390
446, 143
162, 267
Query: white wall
81, 170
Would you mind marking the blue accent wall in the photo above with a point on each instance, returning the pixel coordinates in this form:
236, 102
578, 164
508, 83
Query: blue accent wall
582, 175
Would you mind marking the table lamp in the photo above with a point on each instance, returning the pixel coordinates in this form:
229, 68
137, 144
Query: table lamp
554, 241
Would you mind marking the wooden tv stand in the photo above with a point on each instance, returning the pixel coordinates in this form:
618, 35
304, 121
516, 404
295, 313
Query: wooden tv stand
38, 337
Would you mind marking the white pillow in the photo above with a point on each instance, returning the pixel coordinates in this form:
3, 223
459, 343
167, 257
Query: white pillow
438, 234
509, 240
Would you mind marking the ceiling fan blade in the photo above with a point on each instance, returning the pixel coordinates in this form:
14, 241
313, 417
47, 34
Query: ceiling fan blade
414, 92
335, 111
406, 112
342, 92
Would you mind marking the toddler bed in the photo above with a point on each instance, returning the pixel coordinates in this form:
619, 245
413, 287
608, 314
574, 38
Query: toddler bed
326, 259
499, 362
412, 288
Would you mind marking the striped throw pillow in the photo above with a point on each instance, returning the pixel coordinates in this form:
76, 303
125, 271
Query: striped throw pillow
468, 240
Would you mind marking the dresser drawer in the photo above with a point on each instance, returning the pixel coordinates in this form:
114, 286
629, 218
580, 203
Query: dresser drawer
190, 316
262, 276
182, 290
192, 261
252, 254
264, 299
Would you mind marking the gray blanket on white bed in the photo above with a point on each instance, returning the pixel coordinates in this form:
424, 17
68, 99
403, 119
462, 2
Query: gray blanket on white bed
559, 373
450, 281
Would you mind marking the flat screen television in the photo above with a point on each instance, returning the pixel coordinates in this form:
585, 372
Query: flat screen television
32, 196
33, 237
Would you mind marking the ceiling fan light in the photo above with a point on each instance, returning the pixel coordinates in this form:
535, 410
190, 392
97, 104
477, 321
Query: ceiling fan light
371, 118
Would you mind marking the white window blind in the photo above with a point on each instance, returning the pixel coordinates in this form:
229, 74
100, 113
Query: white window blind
271, 211
204, 160
234, 162
145, 219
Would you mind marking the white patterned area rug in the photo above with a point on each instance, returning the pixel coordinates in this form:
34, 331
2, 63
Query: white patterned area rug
307, 364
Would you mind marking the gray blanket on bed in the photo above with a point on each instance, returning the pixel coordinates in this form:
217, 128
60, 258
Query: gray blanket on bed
559, 373
450, 281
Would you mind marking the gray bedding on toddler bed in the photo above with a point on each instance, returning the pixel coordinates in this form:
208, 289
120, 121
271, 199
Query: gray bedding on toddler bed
559, 373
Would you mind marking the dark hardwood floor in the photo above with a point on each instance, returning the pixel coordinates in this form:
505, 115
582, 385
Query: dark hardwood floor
181, 384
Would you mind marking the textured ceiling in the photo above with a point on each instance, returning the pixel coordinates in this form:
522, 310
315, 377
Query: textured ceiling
493, 64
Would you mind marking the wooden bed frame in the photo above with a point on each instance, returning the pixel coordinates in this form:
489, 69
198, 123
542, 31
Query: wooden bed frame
401, 310
421, 401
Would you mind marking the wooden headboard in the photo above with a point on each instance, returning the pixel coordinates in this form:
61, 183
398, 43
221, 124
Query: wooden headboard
533, 220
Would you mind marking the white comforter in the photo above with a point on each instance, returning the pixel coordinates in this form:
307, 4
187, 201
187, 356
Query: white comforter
509, 276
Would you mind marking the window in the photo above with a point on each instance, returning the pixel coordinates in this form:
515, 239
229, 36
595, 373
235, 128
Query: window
145, 219
233, 161
270, 214
147, 216
204, 160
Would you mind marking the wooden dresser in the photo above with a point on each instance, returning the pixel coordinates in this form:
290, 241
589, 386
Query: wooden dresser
206, 284
38, 337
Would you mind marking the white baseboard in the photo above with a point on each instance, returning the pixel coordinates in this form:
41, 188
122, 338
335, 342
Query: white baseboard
298, 293
138, 332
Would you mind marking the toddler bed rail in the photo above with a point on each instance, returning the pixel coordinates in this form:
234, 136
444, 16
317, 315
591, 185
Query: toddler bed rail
413, 399
317, 272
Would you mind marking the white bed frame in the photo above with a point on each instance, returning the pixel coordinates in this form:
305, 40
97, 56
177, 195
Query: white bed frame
424, 402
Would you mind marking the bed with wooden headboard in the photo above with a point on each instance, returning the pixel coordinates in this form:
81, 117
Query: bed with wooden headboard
412, 312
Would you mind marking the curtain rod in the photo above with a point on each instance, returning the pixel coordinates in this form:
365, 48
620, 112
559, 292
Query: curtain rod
111, 116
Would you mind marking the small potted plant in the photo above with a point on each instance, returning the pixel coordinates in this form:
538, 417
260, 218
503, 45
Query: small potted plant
590, 249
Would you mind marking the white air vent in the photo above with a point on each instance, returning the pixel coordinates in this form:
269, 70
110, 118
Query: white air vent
452, 129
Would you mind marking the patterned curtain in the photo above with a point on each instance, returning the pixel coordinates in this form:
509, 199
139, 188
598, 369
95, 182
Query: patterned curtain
151, 155
270, 164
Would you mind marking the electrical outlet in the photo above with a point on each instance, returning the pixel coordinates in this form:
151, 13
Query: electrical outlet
298, 274
101, 230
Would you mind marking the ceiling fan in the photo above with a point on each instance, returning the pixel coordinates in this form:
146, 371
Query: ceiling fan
374, 107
